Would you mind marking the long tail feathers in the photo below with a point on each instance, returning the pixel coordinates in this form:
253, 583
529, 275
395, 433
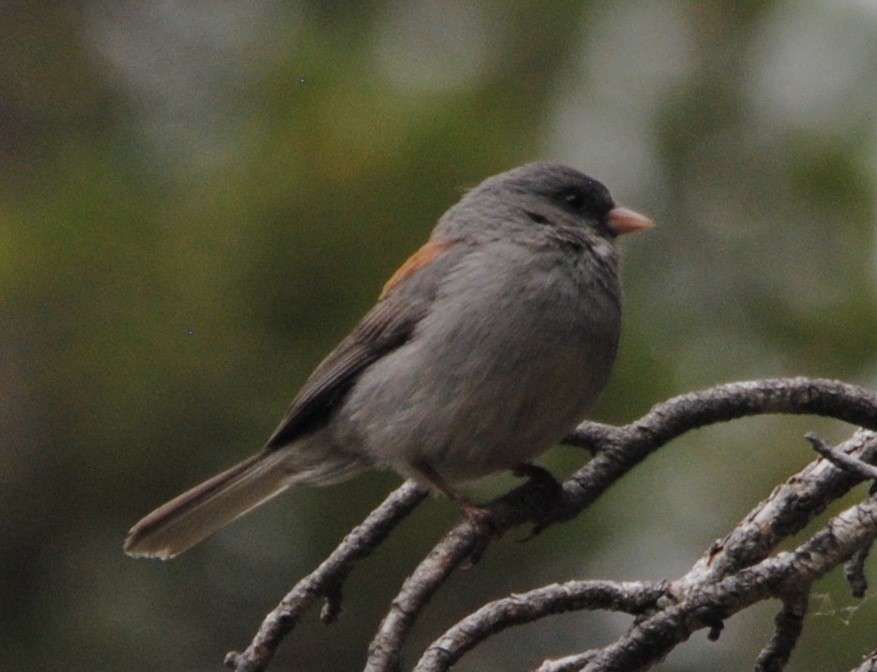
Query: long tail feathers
196, 514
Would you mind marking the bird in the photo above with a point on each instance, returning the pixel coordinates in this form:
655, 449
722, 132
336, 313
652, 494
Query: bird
484, 349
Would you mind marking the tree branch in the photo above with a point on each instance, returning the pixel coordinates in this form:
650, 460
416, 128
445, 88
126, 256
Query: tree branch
739, 557
789, 624
840, 459
869, 664
648, 642
786, 512
633, 598
326, 580
789, 508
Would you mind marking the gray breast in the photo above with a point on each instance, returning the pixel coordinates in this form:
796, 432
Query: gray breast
513, 353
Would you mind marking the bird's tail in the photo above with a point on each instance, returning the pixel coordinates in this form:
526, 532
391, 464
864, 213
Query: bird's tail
196, 514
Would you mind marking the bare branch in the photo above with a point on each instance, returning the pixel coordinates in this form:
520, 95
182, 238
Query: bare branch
840, 459
494, 617
787, 511
617, 450
854, 572
572, 663
789, 624
620, 449
385, 649
869, 664
651, 640
531, 501
798, 396
326, 580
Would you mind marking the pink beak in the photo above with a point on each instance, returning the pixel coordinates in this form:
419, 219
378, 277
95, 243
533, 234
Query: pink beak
623, 220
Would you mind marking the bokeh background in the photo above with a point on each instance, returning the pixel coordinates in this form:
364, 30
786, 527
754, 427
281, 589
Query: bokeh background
199, 199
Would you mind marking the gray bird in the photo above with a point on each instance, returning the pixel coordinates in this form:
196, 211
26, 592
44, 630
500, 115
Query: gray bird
486, 348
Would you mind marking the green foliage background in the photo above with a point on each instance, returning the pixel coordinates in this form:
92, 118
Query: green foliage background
198, 200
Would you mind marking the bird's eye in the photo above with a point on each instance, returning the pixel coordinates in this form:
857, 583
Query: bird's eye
574, 199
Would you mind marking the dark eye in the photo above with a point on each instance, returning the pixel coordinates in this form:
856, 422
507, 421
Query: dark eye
574, 199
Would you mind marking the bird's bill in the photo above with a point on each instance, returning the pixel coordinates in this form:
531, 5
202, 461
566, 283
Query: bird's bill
623, 220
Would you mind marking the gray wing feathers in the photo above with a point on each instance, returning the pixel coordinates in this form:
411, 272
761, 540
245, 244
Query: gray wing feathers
295, 453
387, 326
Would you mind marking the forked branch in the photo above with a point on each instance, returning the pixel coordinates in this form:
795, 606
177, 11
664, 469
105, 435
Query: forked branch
733, 573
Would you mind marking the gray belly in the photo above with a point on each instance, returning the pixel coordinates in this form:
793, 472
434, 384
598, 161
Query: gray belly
492, 378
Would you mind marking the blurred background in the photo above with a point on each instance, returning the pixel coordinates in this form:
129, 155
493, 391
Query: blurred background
199, 199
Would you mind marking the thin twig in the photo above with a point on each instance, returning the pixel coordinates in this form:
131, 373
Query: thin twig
572, 663
494, 617
617, 450
789, 508
787, 511
620, 449
652, 639
788, 624
869, 664
796, 396
326, 580
530, 501
854, 572
840, 459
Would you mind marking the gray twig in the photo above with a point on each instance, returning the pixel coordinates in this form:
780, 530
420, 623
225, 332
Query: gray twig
854, 572
632, 598
788, 626
869, 663
326, 580
705, 593
840, 459
649, 641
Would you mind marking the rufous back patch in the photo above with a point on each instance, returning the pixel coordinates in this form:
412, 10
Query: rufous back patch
423, 257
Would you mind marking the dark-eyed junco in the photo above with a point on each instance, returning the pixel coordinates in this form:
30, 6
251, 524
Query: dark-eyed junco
485, 348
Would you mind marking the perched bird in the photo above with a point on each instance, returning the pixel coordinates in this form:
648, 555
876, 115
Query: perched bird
485, 348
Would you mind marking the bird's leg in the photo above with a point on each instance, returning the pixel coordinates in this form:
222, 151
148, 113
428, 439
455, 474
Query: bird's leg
478, 515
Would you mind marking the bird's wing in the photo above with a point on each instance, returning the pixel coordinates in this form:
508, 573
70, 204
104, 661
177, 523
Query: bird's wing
404, 302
